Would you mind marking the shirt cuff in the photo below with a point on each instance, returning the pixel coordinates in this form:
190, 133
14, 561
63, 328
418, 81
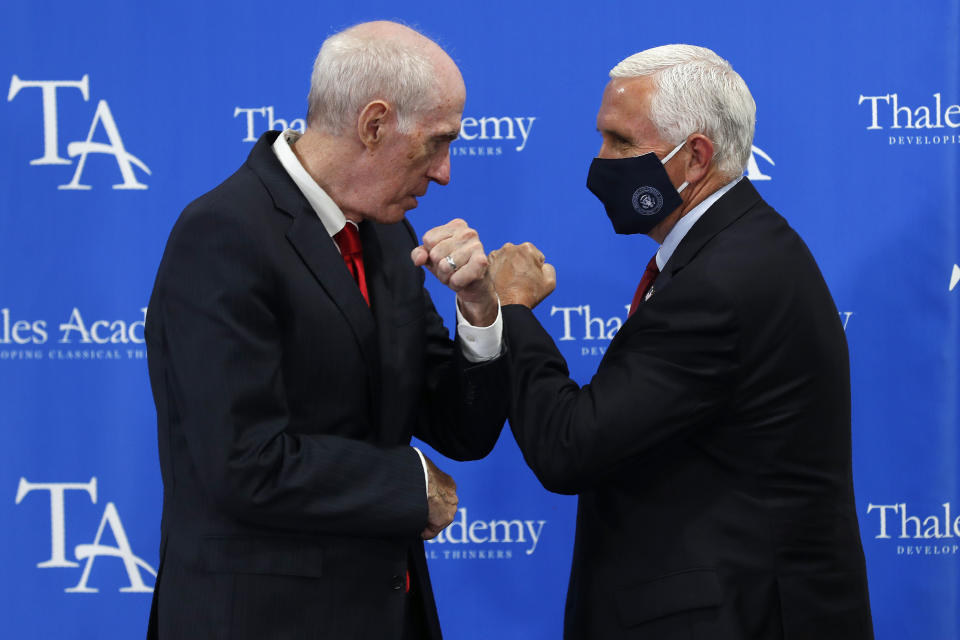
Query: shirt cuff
480, 344
423, 463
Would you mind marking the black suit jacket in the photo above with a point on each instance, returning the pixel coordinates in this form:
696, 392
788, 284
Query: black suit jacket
285, 405
711, 450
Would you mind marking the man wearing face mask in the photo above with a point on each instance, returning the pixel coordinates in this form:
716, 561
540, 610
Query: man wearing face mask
711, 450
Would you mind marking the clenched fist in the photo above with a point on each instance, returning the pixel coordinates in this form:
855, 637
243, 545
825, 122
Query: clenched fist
442, 500
521, 274
453, 253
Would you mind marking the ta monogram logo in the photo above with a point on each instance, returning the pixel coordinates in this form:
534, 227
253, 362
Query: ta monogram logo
753, 169
88, 552
954, 277
102, 117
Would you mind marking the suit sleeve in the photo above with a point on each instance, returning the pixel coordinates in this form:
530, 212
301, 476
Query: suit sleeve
217, 376
669, 372
464, 404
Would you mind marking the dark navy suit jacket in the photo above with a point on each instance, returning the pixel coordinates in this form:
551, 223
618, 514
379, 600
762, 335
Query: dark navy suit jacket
285, 405
711, 450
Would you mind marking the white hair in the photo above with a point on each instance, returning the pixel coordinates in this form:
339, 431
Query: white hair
697, 92
352, 70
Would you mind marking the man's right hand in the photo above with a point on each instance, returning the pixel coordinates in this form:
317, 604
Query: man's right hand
441, 500
521, 274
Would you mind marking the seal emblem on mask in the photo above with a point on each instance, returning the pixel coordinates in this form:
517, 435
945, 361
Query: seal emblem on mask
647, 201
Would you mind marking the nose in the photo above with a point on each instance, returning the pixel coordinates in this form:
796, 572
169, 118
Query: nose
605, 151
440, 171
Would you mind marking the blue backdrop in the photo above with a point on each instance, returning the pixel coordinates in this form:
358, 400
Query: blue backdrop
117, 114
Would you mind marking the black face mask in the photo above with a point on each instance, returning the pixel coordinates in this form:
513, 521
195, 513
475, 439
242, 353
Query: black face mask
636, 192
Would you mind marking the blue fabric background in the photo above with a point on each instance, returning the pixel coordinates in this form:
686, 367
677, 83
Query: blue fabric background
878, 206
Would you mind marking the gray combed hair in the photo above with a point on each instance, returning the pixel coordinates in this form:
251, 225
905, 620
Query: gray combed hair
697, 92
352, 70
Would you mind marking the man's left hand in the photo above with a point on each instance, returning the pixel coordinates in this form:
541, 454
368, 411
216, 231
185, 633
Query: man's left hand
453, 253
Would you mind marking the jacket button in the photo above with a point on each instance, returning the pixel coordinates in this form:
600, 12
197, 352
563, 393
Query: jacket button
397, 583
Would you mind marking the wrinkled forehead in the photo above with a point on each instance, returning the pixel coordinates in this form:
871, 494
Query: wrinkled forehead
450, 83
448, 100
443, 121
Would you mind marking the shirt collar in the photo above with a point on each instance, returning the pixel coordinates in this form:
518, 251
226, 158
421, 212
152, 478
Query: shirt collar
326, 209
684, 224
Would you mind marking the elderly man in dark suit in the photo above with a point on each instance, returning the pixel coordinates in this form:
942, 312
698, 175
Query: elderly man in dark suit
711, 450
293, 351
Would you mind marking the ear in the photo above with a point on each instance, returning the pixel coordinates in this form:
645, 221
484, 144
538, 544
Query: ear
699, 158
371, 124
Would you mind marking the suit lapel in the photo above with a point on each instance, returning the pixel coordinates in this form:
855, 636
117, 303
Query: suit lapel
724, 212
380, 286
318, 251
718, 217
378, 276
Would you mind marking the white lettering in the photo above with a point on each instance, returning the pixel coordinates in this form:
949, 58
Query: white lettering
883, 516
506, 530
48, 89
467, 122
588, 320
873, 108
460, 525
251, 136
115, 148
58, 523
524, 131
534, 534
478, 525
566, 319
845, 318
132, 564
904, 519
496, 128
75, 323
753, 169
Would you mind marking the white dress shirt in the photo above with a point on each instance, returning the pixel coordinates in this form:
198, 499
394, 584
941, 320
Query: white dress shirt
684, 224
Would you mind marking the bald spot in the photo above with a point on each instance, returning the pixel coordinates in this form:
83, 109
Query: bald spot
450, 87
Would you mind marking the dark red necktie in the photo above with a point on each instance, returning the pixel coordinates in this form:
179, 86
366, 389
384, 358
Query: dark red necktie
348, 239
649, 275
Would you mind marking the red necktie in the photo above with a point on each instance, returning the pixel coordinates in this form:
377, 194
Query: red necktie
649, 275
348, 239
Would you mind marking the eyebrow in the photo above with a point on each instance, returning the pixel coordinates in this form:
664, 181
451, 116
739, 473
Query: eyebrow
448, 135
614, 134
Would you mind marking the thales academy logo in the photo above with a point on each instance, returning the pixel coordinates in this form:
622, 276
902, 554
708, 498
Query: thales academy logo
485, 539
929, 123
87, 553
479, 135
591, 332
917, 533
81, 149
76, 338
